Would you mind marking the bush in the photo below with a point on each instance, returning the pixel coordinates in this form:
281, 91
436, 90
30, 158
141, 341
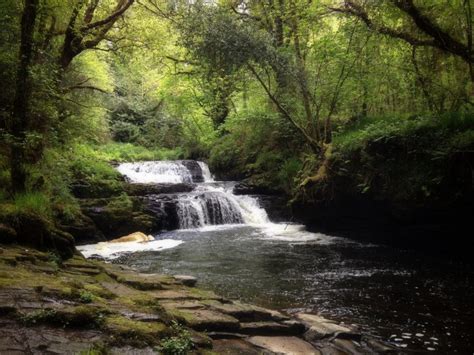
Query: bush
179, 344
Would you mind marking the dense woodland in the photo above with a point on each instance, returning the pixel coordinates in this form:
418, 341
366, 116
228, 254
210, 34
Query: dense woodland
314, 99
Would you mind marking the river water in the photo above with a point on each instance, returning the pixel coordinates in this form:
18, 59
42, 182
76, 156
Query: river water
414, 301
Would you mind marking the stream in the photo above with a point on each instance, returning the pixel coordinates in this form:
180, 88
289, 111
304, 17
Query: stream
227, 241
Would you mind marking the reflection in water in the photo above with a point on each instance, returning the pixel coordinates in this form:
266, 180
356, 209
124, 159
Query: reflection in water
399, 295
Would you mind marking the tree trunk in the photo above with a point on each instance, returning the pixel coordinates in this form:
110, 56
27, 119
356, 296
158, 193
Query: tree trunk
19, 122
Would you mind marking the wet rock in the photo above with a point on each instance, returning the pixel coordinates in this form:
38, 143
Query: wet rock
320, 328
284, 345
380, 347
226, 335
195, 170
164, 210
186, 294
245, 312
182, 304
83, 230
238, 347
350, 347
15, 339
247, 188
143, 281
115, 218
186, 280
207, 320
136, 189
271, 328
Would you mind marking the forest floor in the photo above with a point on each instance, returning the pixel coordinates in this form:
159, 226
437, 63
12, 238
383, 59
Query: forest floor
81, 306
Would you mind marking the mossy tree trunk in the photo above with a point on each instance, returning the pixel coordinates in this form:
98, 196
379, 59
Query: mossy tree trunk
20, 117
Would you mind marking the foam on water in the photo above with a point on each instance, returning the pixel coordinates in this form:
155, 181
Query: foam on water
296, 233
114, 250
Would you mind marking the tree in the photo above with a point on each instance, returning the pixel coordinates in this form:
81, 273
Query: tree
428, 33
19, 122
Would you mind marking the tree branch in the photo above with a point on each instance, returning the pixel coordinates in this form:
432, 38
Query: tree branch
438, 37
121, 7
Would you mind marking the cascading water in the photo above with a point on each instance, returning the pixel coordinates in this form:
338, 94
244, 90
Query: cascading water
211, 203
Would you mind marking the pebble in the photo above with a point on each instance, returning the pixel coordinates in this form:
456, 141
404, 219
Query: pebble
398, 339
433, 338
406, 337
431, 349
420, 335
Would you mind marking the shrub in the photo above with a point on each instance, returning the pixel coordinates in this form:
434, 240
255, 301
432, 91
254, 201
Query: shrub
179, 344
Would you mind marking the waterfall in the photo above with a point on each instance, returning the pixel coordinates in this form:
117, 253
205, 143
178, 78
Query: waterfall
210, 208
211, 203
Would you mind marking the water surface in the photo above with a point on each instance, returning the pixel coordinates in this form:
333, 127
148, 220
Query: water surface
402, 296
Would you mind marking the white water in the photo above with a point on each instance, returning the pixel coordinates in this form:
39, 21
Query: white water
156, 172
114, 250
206, 172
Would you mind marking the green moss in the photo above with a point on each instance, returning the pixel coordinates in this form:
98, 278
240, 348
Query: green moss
127, 331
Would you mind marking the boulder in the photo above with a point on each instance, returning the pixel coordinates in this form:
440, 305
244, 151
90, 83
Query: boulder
114, 220
83, 229
195, 170
36, 231
133, 237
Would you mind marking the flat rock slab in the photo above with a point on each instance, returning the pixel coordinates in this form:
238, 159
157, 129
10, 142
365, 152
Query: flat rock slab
185, 294
144, 282
320, 327
17, 339
171, 305
237, 347
245, 312
207, 320
284, 345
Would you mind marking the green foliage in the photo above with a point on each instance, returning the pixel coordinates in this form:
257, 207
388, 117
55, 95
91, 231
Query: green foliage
85, 296
38, 317
36, 203
179, 344
377, 155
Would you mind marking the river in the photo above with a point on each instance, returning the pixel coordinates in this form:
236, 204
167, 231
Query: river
414, 301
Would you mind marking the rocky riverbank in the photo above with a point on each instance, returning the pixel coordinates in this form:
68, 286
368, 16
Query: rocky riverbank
85, 306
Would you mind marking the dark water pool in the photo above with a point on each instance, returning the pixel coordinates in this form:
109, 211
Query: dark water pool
424, 303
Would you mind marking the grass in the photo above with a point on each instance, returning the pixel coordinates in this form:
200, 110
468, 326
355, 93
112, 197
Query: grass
123, 152
36, 203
